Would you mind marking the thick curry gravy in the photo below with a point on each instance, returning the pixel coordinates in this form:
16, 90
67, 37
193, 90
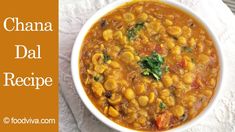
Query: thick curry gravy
149, 66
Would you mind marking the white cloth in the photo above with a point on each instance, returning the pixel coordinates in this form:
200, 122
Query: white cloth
73, 114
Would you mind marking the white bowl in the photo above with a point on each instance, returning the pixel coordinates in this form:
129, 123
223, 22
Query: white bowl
75, 66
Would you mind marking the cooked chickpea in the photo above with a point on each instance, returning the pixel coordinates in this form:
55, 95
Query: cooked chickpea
204, 59
174, 31
97, 58
158, 85
182, 40
158, 102
108, 62
100, 68
143, 112
192, 42
182, 88
127, 57
115, 74
170, 44
118, 35
208, 92
140, 89
187, 58
125, 40
164, 93
205, 103
115, 99
110, 84
101, 101
106, 108
113, 112
91, 72
114, 64
129, 48
146, 80
187, 32
178, 58
117, 17
139, 9
108, 34
132, 117
176, 50
142, 120
129, 17
135, 103
170, 101
102, 47
124, 83
162, 30
175, 79
167, 80
143, 100
97, 88
200, 47
188, 78
167, 22
151, 97
143, 17
137, 58
180, 85
137, 125
154, 27
171, 17
190, 66
129, 94
131, 109
212, 82
192, 112
190, 100
113, 51
178, 110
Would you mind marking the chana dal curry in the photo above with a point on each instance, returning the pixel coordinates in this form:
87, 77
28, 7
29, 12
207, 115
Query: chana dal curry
149, 66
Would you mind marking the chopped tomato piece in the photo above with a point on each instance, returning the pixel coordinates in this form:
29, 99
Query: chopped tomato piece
158, 48
197, 83
163, 120
149, 49
173, 68
182, 63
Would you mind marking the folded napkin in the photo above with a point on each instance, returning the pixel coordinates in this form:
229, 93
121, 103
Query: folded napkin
75, 117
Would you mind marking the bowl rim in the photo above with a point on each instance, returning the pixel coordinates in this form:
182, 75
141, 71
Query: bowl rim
76, 72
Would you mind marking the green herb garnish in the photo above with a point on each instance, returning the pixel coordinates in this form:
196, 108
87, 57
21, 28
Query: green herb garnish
187, 49
106, 57
96, 78
166, 69
193, 60
133, 32
162, 106
152, 65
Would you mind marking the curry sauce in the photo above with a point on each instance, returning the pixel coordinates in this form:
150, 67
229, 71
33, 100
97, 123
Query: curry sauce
149, 66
